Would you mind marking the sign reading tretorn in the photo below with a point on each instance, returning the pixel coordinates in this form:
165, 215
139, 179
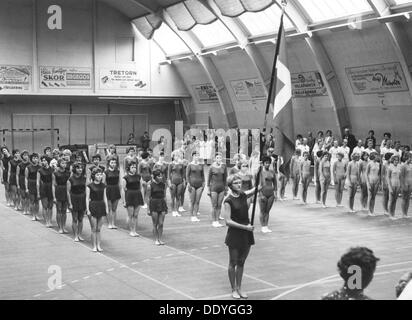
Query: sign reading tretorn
15, 78
121, 78
65, 78
377, 78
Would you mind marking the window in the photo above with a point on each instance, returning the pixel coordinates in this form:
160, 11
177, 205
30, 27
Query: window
213, 34
263, 22
169, 41
321, 10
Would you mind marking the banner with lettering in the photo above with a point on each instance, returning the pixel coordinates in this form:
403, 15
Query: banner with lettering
15, 78
121, 78
377, 78
308, 84
56, 77
249, 89
205, 93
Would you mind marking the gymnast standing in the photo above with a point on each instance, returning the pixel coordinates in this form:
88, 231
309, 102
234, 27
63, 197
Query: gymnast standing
4, 170
157, 205
295, 173
373, 179
162, 165
339, 174
31, 185
318, 188
12, 178
305, 175
248, 180
353, 179
394, 183
217, 187
239, 236
60, 178
406, 184
112, 175
268, 192
21, 182
96, 206
176, 176
144, 169
384, 181
132, 196
44, 189
363, 163
76, 195
324, 176
195, 177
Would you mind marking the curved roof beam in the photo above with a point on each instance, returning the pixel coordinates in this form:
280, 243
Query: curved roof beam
399, 38
251, 49
324, 64
210, 68
195, 46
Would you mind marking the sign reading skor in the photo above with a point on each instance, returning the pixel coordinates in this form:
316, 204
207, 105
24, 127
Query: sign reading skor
65, 78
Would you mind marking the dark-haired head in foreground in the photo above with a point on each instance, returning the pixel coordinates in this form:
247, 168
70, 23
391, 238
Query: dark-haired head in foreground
356, 267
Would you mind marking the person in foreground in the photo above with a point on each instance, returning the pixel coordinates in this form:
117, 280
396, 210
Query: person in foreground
403, 288
356, 267
239, 236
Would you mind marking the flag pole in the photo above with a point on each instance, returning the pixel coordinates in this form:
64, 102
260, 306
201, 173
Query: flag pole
268, 104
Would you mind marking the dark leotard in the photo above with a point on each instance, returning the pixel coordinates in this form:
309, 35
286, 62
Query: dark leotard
217, 179
112, 181
13, 165
22, 175
5, 161
133, 194
97, 206
46, 183
60, 189
32, 179
196, 175
157, 201
239, 238
78, 193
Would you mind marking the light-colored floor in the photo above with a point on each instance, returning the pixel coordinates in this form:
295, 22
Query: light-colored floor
297, 261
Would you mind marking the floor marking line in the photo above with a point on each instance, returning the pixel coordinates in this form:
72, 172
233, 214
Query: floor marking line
118, 262
325, 279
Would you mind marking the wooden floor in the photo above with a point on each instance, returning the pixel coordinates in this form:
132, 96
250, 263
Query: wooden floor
297, 261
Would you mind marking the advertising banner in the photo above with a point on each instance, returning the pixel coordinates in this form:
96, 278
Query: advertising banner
205, 93
65, 78
249, 89
308, 84
377, 78
121, 79
15, 78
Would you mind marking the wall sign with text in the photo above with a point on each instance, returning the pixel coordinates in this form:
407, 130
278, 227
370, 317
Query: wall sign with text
121, 78
65, 78
205, 93
377, 78
249, 89
15, 78
308, 84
